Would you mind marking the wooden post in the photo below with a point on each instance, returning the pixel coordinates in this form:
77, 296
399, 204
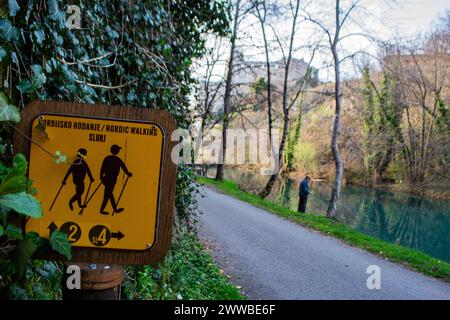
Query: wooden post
98, 282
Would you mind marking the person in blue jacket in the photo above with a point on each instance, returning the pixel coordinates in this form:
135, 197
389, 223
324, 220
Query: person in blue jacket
303, 193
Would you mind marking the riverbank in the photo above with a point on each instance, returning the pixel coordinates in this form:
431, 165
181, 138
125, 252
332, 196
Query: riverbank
412, 259
432, 191
437, 191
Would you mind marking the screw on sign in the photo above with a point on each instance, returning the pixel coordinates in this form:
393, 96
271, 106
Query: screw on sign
108, 197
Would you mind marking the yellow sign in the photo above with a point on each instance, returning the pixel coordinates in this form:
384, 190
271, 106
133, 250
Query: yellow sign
106, 195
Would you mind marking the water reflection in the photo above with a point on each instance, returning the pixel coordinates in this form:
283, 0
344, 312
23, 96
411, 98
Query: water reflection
411, 221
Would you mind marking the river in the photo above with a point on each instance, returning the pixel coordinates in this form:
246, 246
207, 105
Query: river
415, 222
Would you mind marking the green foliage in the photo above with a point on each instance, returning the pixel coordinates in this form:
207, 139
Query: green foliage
37, 80
186, 273
306, 156
42, 281
443, 115
138, 57
185, 202
8, 112
13, 7
293, 137
368, 121
443, 128
25, 249
8, 32
16, 199
368, 102
259, 85
13, 231
23, 203
381, 125
18, 247
60, 243
397, 171
390, 111
60, 157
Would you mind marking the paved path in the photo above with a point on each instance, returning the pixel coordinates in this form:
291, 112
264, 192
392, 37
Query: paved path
273, 258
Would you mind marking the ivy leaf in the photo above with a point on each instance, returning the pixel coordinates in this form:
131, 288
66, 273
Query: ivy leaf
8, 112
13, 7
2, 54
60, 157
8, 31
60, 243
19, 166
16, 292
25, 250
2, 151
2, 232
14, 232
55, 13
41, 127
14, 58
14, 184
37, 80
22, 203
40, 36
3, 171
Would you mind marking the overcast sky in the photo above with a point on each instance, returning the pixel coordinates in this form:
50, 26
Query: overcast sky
386, 19
414, 16
399, 18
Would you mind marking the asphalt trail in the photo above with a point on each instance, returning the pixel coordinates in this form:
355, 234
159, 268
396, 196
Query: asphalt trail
273, 258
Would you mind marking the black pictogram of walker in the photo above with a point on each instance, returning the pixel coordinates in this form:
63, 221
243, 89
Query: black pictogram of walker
110, 169
78, 169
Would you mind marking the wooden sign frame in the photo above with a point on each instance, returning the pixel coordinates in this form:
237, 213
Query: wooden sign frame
166, 194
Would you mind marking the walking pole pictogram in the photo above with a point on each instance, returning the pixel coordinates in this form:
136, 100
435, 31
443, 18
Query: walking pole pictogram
85, 199
121, 192
56, 197
89, 199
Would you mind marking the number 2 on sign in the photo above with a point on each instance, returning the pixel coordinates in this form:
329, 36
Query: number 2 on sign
72, 232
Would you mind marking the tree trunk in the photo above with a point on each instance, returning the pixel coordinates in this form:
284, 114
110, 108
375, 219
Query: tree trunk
268, 187
292, 143
269, 75
227, 97
336, 190
266, 191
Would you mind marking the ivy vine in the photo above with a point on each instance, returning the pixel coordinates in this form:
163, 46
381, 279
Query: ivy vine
134, 53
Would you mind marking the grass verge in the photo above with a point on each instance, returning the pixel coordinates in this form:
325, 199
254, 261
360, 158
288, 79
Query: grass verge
411, 258
187, 272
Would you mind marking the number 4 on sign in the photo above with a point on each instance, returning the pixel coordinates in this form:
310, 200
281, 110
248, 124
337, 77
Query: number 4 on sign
102, 237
